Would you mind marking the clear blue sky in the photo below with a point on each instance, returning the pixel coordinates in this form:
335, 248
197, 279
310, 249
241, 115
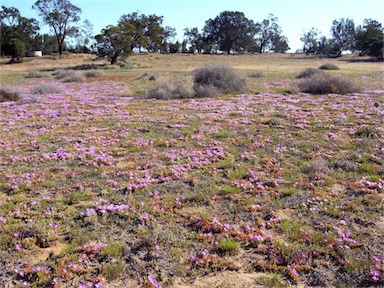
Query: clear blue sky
295, 16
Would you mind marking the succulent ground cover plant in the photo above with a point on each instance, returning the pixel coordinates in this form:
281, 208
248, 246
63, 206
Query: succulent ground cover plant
99, 189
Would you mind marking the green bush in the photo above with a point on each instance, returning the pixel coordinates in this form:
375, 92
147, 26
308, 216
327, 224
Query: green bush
217, 78
228, 246
7, 95
326, 84
329, 66
309, 72
176, 88
17, 49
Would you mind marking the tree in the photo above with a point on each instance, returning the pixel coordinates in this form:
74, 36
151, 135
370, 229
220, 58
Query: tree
61, 16
17, 49
370, 39
194, 38
231, 31
113, 43
83, 37
310, 41
267, 32
147, 31
15, 26
344, 35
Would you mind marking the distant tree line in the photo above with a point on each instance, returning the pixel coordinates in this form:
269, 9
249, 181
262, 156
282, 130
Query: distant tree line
366, 39
230, 32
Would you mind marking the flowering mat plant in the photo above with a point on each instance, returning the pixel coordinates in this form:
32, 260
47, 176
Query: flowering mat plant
100, 189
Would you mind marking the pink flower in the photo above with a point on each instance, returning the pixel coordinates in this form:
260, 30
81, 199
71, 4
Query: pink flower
153, 281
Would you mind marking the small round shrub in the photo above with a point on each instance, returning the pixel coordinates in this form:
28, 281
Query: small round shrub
93, 73
309, 72
256, 74
329, 66
36, 74
149, 76
327, 84
228, 246
73, 78
175, 88
46, 89
63, 73
214, 79
7, 95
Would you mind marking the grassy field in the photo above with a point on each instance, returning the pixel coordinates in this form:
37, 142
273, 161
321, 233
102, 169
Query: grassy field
270, 188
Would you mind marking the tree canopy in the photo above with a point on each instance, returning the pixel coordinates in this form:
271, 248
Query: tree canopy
61, 16
231, 31
15, 26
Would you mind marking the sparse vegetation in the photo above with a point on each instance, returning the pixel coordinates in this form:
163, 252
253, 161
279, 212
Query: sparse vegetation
93, 73
271, 187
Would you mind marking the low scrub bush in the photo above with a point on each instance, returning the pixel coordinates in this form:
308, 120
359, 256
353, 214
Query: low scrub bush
68, 76
7, 95
176, 88
309, 72
73, 78
256, 74
46, 89
36, 74
215, 79
326, 84
63, 73
329, 66
149, 76
93, 73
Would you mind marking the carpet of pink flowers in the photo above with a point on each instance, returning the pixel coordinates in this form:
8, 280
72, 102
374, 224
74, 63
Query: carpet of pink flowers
146, 191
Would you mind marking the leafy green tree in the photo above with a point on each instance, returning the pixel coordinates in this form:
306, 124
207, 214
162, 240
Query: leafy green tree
343, 35
310, 41
15, 26
195, 39
61, 16
113, 43
231, 31
370, 39
17, 49
147, 31
268, 31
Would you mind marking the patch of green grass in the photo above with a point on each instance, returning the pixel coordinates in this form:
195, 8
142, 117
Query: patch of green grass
237, 173
112, 271
228, 246
291, 228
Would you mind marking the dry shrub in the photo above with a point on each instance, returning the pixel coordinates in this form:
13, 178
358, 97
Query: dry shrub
327, 84
329, 66
256, 74
176, 88
68, 76
73, 78
93, 73
63, 73
8, 95
149, 76
46, 89
317, 167
36, 74
310, 72
215, 79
